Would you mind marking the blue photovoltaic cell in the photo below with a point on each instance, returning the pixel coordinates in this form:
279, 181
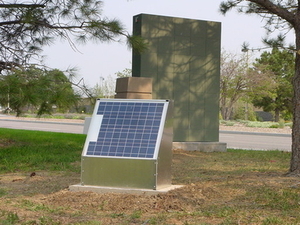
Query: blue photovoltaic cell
128, 129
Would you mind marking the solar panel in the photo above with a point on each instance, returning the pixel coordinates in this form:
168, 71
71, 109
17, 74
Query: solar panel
126, 128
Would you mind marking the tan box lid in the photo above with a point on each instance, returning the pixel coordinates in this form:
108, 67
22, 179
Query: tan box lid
133, 95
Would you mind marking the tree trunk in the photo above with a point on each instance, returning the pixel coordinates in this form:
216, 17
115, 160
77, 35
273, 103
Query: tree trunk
223, 112
228, 113
277, 115
295, 160
223, 107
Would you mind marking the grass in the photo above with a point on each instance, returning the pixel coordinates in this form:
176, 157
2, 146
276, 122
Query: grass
231, 163
10, 218
234, 187
33, 150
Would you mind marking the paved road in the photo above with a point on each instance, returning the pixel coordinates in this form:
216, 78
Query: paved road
256, 141
237, 140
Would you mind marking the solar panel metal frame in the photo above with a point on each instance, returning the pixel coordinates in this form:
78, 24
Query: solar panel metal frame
96, 130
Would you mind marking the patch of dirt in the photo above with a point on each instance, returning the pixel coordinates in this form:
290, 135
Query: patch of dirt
6, 142
32, 193
36, 182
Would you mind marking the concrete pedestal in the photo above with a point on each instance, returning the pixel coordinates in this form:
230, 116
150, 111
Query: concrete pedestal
99, 189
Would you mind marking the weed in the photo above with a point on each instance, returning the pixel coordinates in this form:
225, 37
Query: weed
115, 215
159, 219
225, 211
11, 218
89, 223
30, 222
33, 206
102, 205
47, 221
136, 214
38, 207
228, 221
278, 199
2, 192
14, 219
272, 221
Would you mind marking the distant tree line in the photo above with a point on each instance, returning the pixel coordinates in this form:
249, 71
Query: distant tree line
265, 83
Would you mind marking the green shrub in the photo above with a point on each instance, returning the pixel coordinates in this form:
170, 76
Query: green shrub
290, 124
276, 125
227, 122
281, 124
261, 124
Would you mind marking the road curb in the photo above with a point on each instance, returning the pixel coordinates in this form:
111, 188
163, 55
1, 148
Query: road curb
254, 133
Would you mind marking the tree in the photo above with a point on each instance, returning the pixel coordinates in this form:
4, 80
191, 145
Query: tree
233, 82
106, 87
38, 88
280, 65
17, 90
27, 26
279, 15
239, 81
55, 90
125, 73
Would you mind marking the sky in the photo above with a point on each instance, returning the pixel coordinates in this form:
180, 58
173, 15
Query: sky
98, 61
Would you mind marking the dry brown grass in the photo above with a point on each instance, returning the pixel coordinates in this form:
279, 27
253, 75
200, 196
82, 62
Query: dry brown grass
237, 187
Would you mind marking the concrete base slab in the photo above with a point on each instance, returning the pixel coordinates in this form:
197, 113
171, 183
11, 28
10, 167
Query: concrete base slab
99, 189
201, 146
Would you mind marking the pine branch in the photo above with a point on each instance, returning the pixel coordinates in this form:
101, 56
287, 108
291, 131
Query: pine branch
10, 22
270, 8
22, 6
8, 65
